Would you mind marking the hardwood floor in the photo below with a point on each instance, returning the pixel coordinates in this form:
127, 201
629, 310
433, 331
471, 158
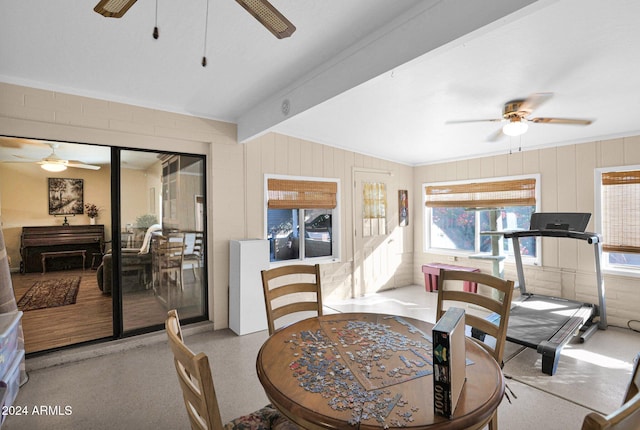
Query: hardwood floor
144, 309
90, 318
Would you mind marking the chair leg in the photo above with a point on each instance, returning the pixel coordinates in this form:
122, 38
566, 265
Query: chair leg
493, 424
193, 267
169, 301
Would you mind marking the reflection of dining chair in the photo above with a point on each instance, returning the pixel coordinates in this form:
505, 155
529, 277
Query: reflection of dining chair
167, 257
193, 253
498, 301
291, 289
627, 416
198, 392
138, 260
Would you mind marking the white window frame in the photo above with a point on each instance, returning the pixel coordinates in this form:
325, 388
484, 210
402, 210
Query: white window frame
426, 212
336, 237
604, 261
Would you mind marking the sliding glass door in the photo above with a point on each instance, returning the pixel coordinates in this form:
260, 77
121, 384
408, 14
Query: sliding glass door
162, 237
121, 231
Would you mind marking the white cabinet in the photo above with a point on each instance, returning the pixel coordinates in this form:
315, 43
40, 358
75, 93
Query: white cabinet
247, 258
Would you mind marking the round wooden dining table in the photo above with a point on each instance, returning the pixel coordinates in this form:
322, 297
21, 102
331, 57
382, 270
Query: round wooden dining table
370, 371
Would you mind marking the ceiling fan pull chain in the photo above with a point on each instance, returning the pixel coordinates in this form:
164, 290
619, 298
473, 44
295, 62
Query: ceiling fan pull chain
156, 33
206, 27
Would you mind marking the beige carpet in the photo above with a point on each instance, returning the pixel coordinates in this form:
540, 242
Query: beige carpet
584, 369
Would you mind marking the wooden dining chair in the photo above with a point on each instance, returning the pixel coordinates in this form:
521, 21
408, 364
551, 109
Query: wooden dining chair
198, 392
496, 304
167, 257
194, 252
627, 417
291, 289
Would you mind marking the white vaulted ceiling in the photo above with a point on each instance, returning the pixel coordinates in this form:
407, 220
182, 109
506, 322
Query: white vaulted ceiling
377, 77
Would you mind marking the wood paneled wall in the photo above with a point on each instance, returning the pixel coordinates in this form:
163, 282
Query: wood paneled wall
567, 185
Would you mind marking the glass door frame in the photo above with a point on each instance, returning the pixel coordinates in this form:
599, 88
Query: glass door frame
116, 225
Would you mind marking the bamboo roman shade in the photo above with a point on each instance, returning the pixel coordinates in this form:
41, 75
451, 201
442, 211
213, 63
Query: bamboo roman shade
518, 192
621, 211
293, 194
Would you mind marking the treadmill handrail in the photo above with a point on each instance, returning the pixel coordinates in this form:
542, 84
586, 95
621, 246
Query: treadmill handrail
590, 237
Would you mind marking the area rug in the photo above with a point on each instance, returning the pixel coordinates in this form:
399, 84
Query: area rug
50, 293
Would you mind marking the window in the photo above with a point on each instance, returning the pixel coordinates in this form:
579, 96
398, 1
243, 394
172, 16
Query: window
374, 208
618, 216
457, 213
302, 208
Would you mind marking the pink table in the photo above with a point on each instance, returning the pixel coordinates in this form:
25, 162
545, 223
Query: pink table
432, 270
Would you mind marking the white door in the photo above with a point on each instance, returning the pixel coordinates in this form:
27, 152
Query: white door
373, 253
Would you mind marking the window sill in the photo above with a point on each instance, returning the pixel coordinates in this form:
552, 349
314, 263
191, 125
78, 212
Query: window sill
455, 256
627, 273
309, 261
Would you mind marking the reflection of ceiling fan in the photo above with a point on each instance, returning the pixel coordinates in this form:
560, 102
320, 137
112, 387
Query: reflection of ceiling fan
515, 113
53, 163
262, 10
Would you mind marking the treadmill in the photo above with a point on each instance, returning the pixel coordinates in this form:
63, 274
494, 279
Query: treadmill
547, 323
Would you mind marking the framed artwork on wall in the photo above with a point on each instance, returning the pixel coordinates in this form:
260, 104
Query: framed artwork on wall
66, 196
403, 207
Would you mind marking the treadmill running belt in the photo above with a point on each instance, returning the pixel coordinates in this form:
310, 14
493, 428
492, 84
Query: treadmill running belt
535, 319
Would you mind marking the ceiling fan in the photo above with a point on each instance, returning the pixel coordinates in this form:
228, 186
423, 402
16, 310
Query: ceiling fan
515, 116
53, 163
261, 10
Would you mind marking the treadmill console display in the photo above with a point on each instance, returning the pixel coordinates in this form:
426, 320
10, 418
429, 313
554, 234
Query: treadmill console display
568, 221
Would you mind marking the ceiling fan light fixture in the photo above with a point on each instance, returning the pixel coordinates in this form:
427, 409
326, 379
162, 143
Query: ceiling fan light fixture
53, 167
269, 16
515, 128
113, 8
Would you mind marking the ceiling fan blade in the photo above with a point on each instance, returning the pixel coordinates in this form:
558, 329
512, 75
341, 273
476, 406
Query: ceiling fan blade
20, 143
463, 121
113, 8
11, 142
18, 161
81, 165
495, 136
561, 121
269, 16
25, 159
534, 101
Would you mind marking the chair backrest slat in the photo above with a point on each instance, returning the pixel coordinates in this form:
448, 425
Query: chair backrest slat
298, 287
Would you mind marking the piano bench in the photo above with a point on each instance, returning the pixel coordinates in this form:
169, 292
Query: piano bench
56, 254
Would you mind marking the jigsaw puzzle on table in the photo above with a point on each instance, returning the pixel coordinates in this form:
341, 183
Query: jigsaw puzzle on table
381, 354
377, 353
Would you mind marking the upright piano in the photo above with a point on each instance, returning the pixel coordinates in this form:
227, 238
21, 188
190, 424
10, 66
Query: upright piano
36, 240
